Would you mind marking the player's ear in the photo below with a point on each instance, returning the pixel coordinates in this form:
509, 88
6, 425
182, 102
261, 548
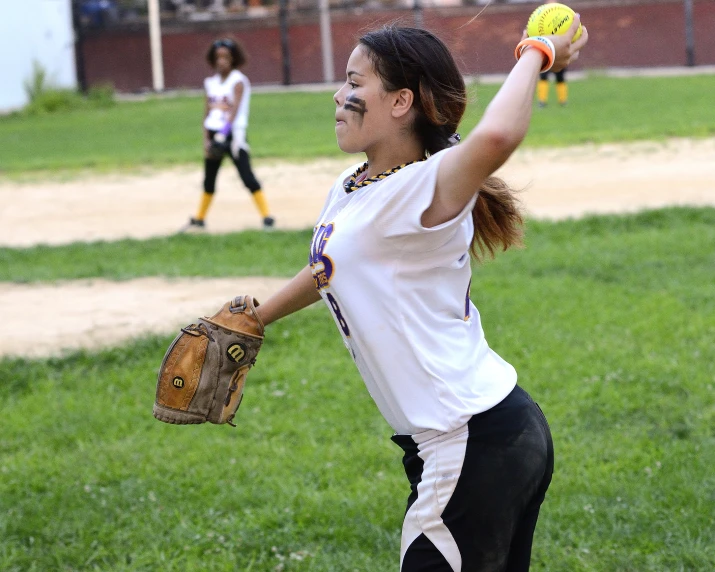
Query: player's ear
402, 101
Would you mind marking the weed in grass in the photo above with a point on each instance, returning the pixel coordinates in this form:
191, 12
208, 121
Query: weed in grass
46, 99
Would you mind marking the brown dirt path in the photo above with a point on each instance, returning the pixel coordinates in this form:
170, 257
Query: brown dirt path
557, 183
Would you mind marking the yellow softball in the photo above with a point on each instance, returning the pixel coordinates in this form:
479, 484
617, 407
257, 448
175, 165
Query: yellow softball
551, 19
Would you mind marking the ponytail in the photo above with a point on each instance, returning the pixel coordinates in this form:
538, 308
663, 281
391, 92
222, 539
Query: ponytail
498, 223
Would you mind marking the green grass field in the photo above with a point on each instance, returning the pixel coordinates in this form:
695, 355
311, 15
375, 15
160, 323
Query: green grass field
610, 322
299, 126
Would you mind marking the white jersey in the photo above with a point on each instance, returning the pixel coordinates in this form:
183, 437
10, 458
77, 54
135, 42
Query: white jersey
219, 93
399, 294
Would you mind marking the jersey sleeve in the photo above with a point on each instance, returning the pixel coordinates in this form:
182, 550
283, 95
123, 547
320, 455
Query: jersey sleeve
400, 215
234, 79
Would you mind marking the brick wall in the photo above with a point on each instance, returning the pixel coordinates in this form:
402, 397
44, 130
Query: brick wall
627, 34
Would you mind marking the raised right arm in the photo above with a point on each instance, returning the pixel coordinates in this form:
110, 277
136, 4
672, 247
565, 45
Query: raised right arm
299, 293
499, 132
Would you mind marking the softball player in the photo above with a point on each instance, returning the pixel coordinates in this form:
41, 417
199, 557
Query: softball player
390, 256
562, 88
228, 95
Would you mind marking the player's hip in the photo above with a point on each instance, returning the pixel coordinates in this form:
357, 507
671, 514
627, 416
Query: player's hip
470, 488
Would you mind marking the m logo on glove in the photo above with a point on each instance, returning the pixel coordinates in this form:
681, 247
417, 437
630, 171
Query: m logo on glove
236, 352
178, 382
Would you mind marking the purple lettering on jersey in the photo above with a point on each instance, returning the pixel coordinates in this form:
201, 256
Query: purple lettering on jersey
339, 316
321, 264
466, 302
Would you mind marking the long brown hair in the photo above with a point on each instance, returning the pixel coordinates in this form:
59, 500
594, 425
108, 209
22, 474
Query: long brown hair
416, 59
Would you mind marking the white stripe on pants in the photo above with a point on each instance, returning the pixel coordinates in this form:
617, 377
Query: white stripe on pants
443, 457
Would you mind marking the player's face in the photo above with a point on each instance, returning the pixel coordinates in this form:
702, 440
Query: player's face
362, 114
224, 60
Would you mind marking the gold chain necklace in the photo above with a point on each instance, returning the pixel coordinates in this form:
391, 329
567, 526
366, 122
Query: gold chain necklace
351, 185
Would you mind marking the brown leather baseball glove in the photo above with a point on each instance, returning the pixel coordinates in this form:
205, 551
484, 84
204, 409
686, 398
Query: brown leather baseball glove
204, 370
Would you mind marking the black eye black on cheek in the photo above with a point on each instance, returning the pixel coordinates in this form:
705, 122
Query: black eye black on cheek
355, 104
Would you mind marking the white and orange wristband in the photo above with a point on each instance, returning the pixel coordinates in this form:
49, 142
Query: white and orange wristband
541, 43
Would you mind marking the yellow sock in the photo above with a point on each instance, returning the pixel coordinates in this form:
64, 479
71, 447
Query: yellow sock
260, 199
562, 92
206, 199
542, 90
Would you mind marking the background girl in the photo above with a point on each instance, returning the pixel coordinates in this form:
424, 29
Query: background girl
228, 95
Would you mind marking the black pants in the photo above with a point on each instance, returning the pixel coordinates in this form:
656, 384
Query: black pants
476, 492
560, 76
243, 166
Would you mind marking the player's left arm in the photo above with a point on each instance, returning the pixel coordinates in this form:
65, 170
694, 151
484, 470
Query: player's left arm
297, 294
233, 107
207, 109
497, 135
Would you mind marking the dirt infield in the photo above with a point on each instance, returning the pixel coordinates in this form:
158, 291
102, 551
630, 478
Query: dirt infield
556, 183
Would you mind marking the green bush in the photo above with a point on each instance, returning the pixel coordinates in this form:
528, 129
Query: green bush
54, 100
44, 98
